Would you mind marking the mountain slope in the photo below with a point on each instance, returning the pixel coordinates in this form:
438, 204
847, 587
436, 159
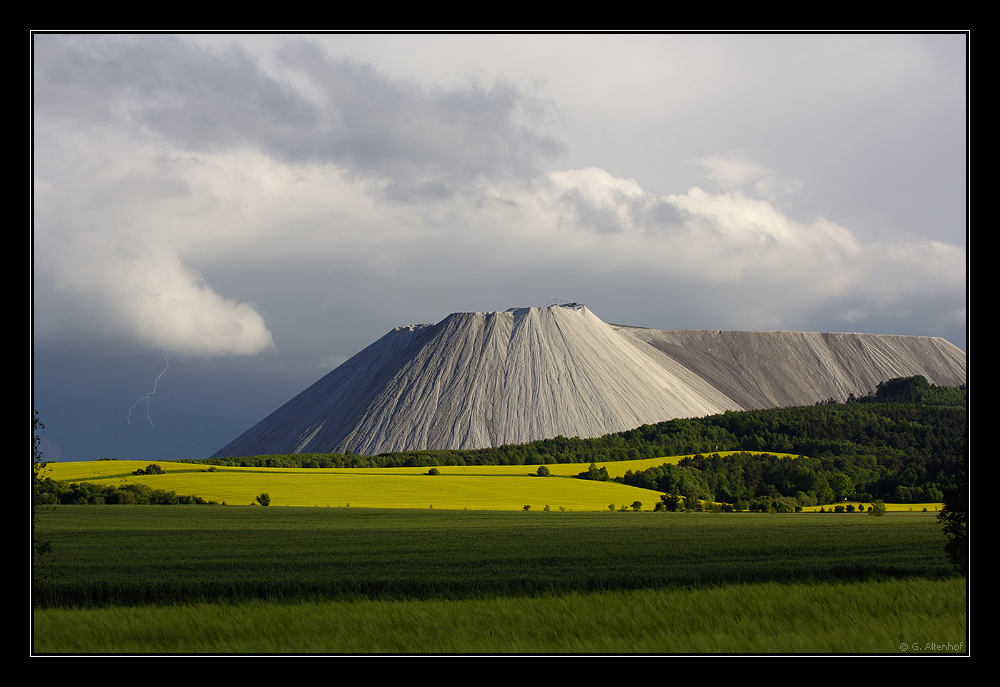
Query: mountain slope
767, 369
487, 379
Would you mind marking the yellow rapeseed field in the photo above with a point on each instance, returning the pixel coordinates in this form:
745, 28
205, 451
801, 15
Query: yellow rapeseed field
479, 487
486, 487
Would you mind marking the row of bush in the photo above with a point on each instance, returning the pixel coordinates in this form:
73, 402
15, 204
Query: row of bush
52, 492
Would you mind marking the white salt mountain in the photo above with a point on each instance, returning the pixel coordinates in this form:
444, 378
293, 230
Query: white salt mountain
487, 379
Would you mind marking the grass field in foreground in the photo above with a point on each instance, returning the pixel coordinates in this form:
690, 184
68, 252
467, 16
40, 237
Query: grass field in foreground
927, 616
480, 487
214, 579
125, 555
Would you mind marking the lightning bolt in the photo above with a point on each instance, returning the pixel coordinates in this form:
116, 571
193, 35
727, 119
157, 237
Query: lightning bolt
146, 397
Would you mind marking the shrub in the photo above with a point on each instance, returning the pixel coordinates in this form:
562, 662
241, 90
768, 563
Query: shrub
954, 515
543, 471
598, 474
152, 469
264, 499
433, 471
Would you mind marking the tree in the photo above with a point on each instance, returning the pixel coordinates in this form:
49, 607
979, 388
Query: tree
598, 474
637, 505
842, 485
152, 469
877, 508
543, 471
954, 516
671, 502
36, 453
902, 389
40, 546
264, 499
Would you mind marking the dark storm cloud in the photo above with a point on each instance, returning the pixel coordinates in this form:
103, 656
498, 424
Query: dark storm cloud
420, 143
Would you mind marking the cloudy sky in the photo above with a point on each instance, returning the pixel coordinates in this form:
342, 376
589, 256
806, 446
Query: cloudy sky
218, 221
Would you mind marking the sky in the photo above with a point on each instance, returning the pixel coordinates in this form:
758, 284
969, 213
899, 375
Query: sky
220, 220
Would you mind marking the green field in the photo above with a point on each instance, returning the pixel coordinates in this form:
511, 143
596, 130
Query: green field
767, 618
215, 579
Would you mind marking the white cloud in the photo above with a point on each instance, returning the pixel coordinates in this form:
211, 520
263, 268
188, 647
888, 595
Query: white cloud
736, 170
142, 293
160, 219
110, 231
127, 246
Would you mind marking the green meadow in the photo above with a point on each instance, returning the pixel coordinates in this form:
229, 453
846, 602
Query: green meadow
240, 579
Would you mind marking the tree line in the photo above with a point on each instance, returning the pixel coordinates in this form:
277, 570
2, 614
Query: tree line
49, 492
905, 442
